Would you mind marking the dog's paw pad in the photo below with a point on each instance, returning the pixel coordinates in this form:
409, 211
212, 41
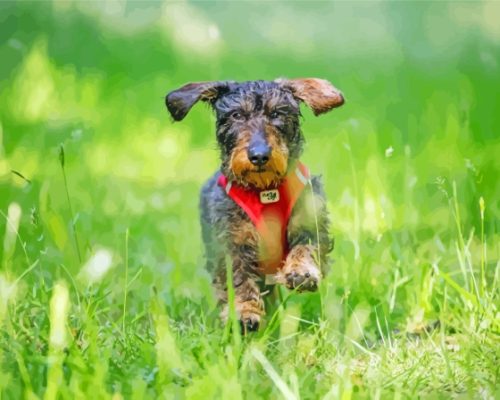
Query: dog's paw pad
301, 277
300, 282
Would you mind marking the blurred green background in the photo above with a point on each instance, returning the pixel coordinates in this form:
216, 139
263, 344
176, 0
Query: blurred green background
422, 113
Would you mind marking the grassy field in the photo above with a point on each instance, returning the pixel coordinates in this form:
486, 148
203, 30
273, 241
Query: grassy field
102, 288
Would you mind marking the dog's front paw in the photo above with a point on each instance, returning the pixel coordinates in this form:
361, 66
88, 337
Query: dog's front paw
249, 314
300, 271
301, 277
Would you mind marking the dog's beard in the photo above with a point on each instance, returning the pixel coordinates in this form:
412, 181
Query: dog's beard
264, 177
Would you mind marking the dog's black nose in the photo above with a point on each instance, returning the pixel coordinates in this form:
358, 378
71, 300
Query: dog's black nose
259, 155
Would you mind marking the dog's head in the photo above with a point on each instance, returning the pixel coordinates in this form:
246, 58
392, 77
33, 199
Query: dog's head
258, 128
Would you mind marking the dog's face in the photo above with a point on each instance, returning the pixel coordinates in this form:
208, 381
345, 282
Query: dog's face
258, 132
258, 128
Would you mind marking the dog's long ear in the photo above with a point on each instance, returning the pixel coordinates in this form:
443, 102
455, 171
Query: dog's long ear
180, 101
319, 94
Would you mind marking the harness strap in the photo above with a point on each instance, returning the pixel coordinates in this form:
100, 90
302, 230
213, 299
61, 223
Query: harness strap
270, 218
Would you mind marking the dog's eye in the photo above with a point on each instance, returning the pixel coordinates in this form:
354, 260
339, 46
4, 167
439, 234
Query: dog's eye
275, 114
236, 115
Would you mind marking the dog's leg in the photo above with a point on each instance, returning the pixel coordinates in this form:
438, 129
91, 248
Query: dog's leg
243, 254
248, 302
249, 305
229, 236
309, 241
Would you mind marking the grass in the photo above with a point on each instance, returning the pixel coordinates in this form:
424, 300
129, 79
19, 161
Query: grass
102, 288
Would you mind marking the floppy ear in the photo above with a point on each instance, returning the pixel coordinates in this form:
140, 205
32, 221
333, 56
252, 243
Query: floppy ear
180, 101
319, 94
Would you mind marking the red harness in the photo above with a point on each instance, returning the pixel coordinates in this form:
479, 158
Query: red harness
270, 210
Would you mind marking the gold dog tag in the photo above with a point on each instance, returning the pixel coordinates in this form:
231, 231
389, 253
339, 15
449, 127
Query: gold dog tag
269, 196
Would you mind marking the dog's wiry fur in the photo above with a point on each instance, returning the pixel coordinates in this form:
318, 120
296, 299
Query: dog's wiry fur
248, 113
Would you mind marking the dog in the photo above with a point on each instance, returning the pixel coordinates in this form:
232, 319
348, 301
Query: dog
261, 211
